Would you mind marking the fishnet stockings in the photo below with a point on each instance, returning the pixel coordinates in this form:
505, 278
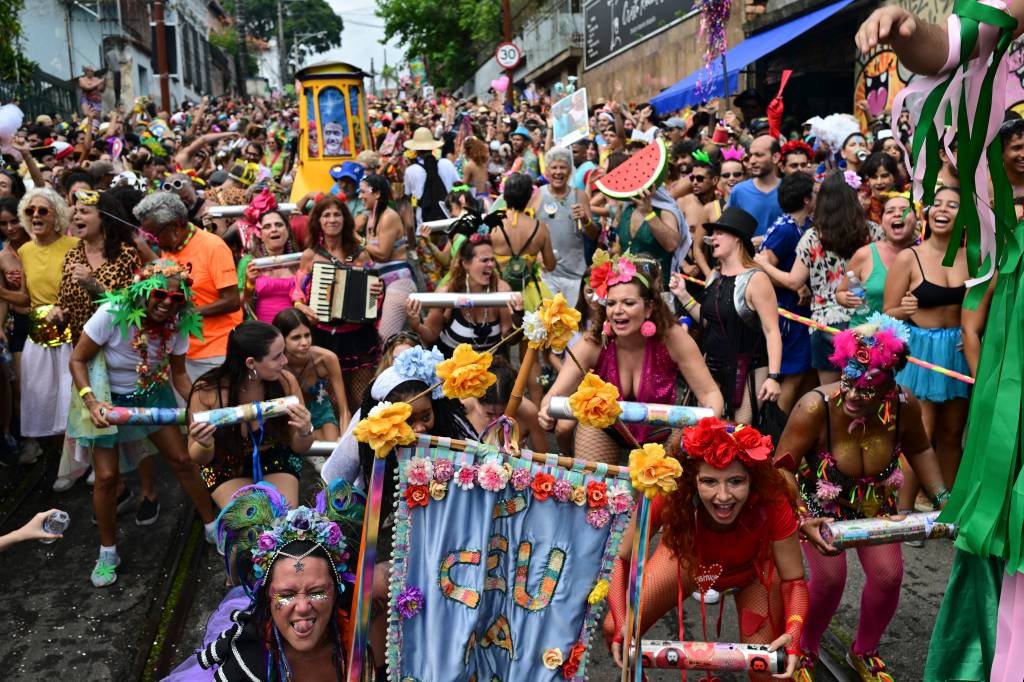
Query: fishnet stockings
392, 316
357, 381
744, 414
595, 445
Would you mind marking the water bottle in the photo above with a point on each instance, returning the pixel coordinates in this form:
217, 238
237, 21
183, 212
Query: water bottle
55, 523
857, 289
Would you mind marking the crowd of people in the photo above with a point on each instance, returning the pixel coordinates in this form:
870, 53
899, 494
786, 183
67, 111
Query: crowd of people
124, 286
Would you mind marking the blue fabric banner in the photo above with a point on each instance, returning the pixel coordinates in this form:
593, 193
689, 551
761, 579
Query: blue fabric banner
500, 564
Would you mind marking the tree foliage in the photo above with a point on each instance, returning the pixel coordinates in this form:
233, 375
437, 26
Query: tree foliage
447, 34
316, 24
13, 65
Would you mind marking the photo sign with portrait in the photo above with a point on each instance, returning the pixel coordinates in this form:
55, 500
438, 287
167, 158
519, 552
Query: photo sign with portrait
570, 120
501, 565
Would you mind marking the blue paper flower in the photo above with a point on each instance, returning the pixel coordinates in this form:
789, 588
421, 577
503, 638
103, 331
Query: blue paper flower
421, 364
896, 327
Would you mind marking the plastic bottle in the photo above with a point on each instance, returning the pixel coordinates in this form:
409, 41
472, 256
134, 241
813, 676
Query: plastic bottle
55, 523
857, 289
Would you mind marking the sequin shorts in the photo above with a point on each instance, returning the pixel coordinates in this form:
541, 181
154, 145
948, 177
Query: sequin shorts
226, 466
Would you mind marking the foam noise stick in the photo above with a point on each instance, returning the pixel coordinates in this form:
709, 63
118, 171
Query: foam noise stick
236, 414
651, 414
713, 656
144, 415
884, 531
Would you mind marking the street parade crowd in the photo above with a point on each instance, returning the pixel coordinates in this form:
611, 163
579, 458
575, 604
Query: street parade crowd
777, 273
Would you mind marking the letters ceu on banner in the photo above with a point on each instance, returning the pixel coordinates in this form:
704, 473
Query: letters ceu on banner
500, 565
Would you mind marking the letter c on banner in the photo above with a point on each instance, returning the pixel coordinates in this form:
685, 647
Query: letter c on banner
463, 595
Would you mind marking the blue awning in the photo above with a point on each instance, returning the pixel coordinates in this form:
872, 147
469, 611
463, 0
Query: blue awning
684, 93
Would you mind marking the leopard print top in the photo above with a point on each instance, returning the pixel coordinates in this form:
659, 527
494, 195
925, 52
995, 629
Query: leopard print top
76, 300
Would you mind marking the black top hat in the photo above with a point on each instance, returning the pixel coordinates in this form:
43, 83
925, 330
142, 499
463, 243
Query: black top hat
738, 222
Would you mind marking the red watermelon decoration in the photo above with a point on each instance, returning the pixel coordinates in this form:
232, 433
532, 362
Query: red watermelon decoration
644, 170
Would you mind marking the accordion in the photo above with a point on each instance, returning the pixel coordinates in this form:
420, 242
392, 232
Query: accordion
342, 294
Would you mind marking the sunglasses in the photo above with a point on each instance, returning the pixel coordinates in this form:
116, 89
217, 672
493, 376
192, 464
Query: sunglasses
87, 197
738, 174
175, 297
41, 211
698, 178
168, 185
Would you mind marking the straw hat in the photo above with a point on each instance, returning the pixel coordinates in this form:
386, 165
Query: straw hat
423, 141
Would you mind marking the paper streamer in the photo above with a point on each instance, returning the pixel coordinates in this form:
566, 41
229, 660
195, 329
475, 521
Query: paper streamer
884, 531
636, 582
266, 262
832, 330
651, 414
144, 415
364, 573
713, 656
225, 416
457, 300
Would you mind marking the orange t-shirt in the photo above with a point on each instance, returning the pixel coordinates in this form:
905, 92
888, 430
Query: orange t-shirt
213, 269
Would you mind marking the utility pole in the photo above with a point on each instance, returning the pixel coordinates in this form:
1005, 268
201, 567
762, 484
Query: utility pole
373, 79
161, 55
243, 52
506, 27
282, 56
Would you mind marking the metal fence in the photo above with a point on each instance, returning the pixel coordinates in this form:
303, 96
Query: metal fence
41, 93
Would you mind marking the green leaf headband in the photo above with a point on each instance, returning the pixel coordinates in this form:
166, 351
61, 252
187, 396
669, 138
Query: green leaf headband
128, 305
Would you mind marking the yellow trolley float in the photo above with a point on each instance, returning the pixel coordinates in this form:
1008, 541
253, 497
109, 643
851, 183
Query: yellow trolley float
332, 122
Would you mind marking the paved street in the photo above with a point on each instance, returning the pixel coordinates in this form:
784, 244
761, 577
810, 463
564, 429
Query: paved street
54, 621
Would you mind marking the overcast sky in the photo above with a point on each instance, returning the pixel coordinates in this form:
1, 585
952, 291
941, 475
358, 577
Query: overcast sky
361, 38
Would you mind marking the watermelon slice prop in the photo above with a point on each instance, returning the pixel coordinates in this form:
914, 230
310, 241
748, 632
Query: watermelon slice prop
646, 169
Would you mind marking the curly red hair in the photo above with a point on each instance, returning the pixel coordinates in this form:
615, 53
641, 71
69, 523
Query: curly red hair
766, 485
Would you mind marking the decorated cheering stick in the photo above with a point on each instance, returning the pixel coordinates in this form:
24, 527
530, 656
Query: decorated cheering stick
238, 210
225, 416
464, 300
883, 531
266, 262
652, 414
712, 656
119, 416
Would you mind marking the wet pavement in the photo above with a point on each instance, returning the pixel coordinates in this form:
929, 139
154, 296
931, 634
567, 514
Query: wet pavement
54, 622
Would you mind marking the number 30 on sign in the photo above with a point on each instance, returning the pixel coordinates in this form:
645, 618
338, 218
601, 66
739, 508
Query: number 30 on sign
508, 55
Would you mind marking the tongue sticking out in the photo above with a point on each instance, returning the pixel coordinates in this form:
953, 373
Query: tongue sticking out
303, 627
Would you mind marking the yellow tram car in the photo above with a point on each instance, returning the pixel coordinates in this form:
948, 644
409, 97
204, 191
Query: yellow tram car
332, 121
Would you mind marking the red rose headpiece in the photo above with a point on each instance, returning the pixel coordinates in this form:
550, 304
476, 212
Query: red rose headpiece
718, 443
797, 147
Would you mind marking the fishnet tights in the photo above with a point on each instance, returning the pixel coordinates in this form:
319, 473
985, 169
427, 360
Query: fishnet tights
356, 381
595, 445
744, 414
392, 316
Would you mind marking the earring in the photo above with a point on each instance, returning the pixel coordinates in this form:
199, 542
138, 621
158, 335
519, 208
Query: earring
647, 329
252, 374
607, 328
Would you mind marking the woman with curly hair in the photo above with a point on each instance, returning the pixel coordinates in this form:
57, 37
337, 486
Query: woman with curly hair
267, 291
729, 526
635, 345
841, 449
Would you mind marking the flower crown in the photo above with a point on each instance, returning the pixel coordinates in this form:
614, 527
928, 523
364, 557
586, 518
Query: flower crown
414, 363
605, 273
259, 522
870, 354
128, 305
718, 443
796, 147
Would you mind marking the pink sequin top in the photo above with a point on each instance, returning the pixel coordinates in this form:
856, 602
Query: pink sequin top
273, 294
658, 378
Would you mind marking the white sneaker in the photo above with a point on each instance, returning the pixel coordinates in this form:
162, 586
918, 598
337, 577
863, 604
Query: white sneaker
63, 483
105, 571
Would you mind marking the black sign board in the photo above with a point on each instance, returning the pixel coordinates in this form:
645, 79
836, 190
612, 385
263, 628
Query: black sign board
614, 26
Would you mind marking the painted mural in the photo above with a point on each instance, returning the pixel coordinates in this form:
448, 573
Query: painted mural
878, 79
1015, 79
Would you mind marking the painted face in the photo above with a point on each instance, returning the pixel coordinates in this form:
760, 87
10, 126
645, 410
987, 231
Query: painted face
795, 163
301, 602
723, 492
86, 222
422, 418
164, 304
273, 231
481, 266
298, 341
268, 368
626, 309
898, 222
881, 181
860, 402
943, 212
42, 219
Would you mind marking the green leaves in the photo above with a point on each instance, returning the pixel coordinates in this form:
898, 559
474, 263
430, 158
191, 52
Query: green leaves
447, 35
302, 18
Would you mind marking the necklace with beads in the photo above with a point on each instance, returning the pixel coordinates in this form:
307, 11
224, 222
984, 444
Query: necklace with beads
191, 233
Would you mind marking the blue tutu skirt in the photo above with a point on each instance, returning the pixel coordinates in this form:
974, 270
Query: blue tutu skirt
941, 347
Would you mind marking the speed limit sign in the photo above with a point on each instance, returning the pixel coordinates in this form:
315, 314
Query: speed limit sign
508, 55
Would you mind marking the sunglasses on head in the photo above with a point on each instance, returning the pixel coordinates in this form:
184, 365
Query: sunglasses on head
87, 197
41, 211
175, 297
169, 185
737, 174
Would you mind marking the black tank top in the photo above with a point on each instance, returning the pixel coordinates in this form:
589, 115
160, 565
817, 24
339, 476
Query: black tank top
931, 295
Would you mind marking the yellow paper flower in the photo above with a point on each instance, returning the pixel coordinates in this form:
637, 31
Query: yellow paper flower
579, 496
600, 257
595, 403
465, 375
438, 489
652, 472
599, 593
552, 658
560, 320
385, 427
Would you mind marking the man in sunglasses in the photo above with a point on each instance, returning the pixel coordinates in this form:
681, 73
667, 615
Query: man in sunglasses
212, 267
185, 188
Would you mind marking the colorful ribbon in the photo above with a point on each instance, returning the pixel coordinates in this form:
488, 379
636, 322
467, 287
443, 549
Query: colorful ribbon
364, 573
641, 536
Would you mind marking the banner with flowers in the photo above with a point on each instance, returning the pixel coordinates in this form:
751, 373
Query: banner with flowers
501, 564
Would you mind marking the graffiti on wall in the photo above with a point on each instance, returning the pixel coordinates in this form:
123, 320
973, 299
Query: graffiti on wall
1015, 77
878, 79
